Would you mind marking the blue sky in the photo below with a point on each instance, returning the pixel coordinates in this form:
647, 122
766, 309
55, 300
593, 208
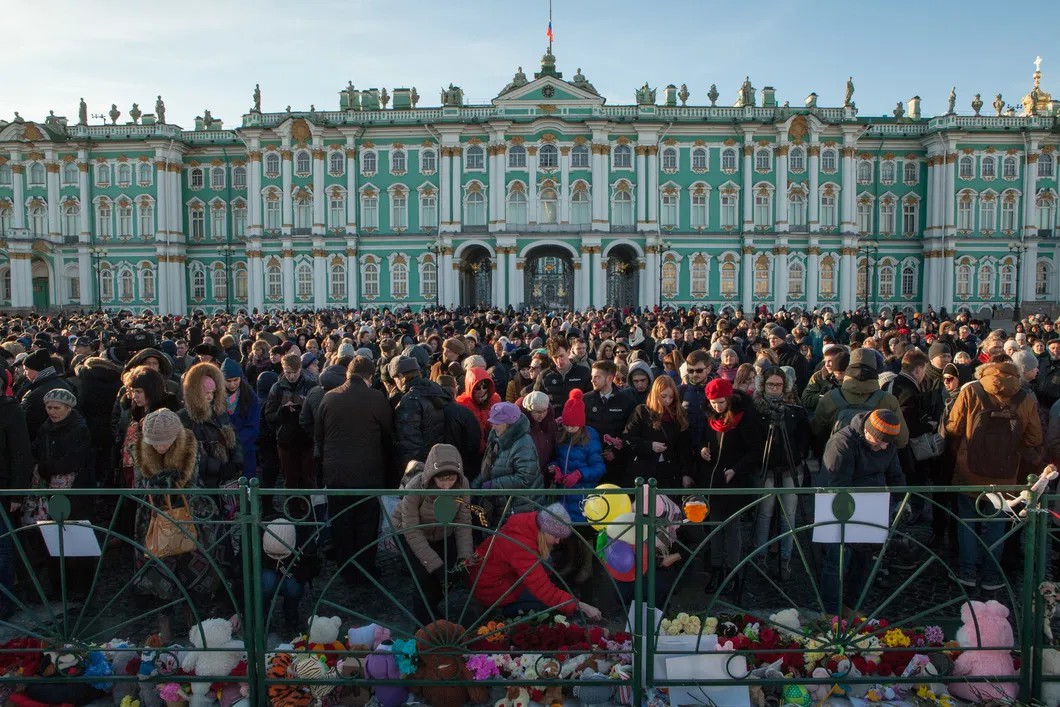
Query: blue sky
200, 54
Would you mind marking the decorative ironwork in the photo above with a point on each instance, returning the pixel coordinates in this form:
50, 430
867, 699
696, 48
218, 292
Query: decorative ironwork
549, 276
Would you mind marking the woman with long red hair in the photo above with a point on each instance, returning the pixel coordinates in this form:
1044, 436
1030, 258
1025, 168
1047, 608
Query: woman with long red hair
657, 435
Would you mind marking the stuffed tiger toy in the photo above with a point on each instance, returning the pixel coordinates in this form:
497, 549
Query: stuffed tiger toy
280, 695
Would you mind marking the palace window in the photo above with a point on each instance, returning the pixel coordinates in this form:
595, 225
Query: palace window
37, 176
397, 162
987, 215
761, 276
429, 211
1008, 214
864, 172
103, 219
303, 212
669, 211
579, 157
728, 211
698, 268
38, 218
217, 178
241, 284
728, 278
797, 160
70, 174
475, 159
669, 278
580, 208
1008, 280
399, 280
274, 282
1041, 278
988, 168
1009, 168
195, 178
964, 281
337, 163
125, 219
218, 223
886, 283
337, 211
516, 208
1046, 207
669, 159
1045, 165
827, 277
272, 215
517, 157
828, 161
699, 159
699, 211
239, 220
5, 177
6, 216
966, 167
622, 209
548, 157
986, 281
103, 175
910, 172
796, 277
198, 283
797, 211
763, 209
549, 205
71, 220
909, 216
338, 281
106, 285
864, 216
303, 163
762, 160
908, 281
428, 161
239, 177
272, 165
303, 278
370, 281
198, 224
370, 210
399, 210
429, 280
475, 209
623, 157
368, 163
965, 212
147, 285
887, 170
220, 284
728, 160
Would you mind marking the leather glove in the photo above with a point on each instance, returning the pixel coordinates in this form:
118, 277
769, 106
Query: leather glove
571, 480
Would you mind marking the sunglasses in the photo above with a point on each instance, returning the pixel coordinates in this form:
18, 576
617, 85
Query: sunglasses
696, 370
482, 386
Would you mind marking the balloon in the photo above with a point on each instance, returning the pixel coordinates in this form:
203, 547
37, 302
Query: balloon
629, 575
599, 509
619, 556
622, 527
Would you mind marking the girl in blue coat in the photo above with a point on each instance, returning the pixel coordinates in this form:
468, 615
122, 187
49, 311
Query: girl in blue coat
578, 461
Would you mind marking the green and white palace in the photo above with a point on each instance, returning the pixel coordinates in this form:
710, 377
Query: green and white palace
549, 196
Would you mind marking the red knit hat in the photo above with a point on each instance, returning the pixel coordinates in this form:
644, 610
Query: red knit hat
574, 410
718, 388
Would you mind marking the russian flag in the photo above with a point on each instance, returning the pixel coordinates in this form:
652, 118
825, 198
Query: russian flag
549, 34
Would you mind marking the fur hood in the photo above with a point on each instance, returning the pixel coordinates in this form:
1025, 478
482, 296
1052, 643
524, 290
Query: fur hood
194, 401
761, 400
182, 457
97, 366
165, 365
1002, 380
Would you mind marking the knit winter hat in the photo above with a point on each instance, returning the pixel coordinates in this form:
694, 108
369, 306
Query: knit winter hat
554, 520
454, 346
38, 360
363, 351
161, 427
508, 413
535, 400
231, 369
1025, 359
61, 395
718, 388
279, 540
308, 359
574, 409
883, 424
938, 349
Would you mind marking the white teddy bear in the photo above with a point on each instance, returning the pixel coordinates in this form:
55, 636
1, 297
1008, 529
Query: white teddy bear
215, 663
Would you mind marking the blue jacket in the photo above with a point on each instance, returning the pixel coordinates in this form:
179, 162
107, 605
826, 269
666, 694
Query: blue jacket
586, 458
247, 421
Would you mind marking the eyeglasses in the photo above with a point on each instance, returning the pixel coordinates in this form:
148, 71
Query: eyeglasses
482, 386
696, 370
948, 379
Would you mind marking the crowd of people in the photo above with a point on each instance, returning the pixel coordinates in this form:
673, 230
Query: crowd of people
527, 402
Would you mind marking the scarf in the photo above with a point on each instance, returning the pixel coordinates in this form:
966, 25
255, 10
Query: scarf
727, 423
233, 400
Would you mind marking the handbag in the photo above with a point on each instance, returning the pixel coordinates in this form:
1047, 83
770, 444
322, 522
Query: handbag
927, 446
171, 533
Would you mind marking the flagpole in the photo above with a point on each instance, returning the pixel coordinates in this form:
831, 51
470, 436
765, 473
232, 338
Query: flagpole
550, 26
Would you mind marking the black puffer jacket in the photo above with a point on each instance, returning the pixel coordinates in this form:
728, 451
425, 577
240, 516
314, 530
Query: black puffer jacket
16, 454
283, 407
330, 378
66, 448
33, 400
419, 420
99, 381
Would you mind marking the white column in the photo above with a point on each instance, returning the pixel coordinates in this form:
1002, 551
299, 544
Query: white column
86, 203
747, 276
601, 189
927, 269
848, 201
948, 278
564, 185
642, 281
813, 273
287, 206
254, 225
848, 282
352, 271
599, 278
495, 190
19, 207
54, 224
748, 189
814, 152
1030, 195
353, 198
782, 189
255, 278
445, 189
176, 211
653, 186
650, 276
642, 187
780, 274
84, 274
287, 260
165, 306
582, 293
1030, 270
457, 163
320, 274
502, 193
515, 281
448, 291
500, 284
951, 195
320, 198
531, 185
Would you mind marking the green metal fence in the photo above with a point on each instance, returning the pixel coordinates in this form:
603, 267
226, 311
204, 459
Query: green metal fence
89, 604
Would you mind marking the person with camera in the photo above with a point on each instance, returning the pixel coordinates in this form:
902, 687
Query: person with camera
787, 442
282, 411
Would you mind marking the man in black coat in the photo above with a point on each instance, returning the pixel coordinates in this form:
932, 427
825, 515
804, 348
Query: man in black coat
607, 410
789, 355
461, 428
419, 419
354, 444
16, 471
42, 376
564, 375
99, 380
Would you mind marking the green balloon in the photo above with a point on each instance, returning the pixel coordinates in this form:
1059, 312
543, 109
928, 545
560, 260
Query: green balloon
59, 508
445, 509
843, 507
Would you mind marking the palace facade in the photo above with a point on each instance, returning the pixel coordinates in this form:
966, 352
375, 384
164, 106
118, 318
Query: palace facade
547, 197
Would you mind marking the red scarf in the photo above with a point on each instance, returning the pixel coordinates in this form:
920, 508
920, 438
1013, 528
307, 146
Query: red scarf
727, 423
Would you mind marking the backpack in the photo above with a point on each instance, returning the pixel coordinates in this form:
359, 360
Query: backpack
996, 435
846, 411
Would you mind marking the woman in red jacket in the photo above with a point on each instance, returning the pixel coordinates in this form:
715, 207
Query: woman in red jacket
508, 569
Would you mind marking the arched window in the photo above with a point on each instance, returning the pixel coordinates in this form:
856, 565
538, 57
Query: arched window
910, 172
125, 219
272, 165
988, 213
1046, 207
104, 218
669, 277
144, 175
1045, 165
198, 282
399, 209
763, 208
73, 284
698, 273
864, 172
828, 161
1042, 274
5, 181
38, 219
218, 222
729, 202
728, 277
964, 281
1009, 204
910, 215
274, 282
429, 279
336, 210
1009, 168
668, 208
272, 213
338, 280
797, 160
580, 208
239, 218
579, 157
548, 157
517, 207
988, 167
397, 162
399, 280
549, 203
369, 209
368, 163
475, 209
623, 157
220, 284
887, 172
70, 175
763, 158
241, 284
761, 276
217, 178
474, 158
516, 157
699, 213
106, 285
886, 283
1008, 280
622, 208
6, 216
124, 174
37, 176
908, 281
699, 159
303, 210
966, 210
197, 219
336, 163
826, 272
71, 220
797, 211
428, 209
728, 160
195, 178
796, 279
303, 279
864, 215
428, 161
102, 175
986, 281
669, 159
370, 281
303, 163
887, 215
147, 285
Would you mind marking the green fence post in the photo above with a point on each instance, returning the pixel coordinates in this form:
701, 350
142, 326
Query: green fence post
1030, 659
642, 643
254, 623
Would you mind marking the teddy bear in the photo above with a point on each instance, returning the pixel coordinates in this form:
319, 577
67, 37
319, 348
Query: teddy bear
514, 697
437, 662
381, 665
213, 634
322, 639
549, 669
984, 624
787, 622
